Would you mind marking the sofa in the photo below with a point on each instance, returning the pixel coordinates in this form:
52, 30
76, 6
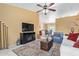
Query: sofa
67, 48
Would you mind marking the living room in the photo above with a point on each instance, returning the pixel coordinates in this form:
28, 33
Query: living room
21, 20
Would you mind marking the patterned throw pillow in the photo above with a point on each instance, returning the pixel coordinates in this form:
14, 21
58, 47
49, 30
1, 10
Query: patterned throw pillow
76, 45
73, 36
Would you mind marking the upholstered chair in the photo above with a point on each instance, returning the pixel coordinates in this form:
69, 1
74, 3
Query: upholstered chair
57, 37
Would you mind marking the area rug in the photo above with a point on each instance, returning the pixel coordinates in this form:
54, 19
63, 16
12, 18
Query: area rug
33, 49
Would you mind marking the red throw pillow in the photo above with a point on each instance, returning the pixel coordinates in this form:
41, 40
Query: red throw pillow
76, 45
73, 36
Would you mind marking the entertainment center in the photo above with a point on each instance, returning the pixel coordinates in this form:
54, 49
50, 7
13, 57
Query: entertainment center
27, 34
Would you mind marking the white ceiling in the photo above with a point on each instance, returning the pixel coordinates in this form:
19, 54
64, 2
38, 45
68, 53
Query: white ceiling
67, 9
63, 9
30, 6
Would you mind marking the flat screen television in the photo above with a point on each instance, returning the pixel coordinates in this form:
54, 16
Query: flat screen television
27, 27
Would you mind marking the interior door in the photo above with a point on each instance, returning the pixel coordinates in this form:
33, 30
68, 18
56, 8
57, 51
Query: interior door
0, 37
3, 35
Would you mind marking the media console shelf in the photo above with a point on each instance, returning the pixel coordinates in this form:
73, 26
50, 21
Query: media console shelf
26, 37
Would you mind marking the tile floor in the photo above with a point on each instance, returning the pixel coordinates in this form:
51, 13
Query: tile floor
7, 52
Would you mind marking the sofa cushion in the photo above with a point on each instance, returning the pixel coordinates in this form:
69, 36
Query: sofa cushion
76, 45
73, 36
57, 40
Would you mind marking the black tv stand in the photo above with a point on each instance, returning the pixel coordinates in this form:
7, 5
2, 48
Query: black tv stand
26, 37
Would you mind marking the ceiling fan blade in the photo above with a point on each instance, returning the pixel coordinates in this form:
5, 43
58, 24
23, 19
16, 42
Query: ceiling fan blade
51, 4
39, 11
52, 9
39, 5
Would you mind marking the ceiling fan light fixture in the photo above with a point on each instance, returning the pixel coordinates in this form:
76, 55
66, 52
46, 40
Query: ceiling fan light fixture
45, 11
45, 8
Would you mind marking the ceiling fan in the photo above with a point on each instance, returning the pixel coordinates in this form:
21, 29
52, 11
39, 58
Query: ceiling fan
45, 8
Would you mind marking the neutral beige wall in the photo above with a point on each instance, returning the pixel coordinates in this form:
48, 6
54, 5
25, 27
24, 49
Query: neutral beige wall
13, 17
64, 24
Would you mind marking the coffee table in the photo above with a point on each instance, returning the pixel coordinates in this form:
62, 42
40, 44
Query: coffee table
46, 45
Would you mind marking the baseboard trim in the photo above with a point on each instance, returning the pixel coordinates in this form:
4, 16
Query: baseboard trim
12, 46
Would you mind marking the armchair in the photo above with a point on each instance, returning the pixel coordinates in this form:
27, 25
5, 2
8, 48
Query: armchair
57, 37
